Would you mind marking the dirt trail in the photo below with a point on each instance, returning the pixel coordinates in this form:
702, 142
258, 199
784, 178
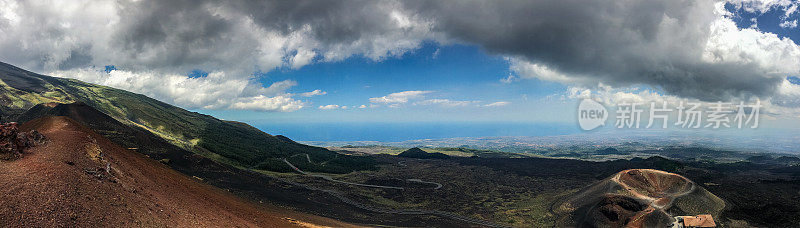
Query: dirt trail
78, 179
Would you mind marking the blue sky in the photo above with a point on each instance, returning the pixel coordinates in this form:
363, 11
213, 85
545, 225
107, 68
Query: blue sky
454, 72
768, 21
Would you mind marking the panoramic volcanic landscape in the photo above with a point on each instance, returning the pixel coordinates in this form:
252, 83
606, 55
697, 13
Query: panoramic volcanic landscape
92, 155
399, 113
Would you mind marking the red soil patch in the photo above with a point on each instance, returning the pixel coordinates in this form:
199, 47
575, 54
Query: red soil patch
79, 179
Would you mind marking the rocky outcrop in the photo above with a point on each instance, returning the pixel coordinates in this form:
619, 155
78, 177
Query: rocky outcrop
13, 143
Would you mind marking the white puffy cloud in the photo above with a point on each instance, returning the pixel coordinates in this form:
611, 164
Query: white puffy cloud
418, 97
215, 91
788, 95
788, 24
507, 80
399, 97
263, 103
316, 92
302, 58
528, 70
445, 103
329, 107
728, 44
762, 6
498, 104
613, 96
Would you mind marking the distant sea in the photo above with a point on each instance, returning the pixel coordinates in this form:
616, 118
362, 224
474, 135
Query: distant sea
393, 132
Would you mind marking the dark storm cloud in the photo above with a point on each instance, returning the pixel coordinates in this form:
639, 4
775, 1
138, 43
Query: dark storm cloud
332, 21
621, 43
147, 24
77, 57
183, 32
176, 29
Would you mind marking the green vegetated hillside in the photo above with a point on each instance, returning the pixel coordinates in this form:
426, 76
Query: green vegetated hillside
230, 142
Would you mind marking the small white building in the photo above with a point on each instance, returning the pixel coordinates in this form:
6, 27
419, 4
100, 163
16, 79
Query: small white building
704, 220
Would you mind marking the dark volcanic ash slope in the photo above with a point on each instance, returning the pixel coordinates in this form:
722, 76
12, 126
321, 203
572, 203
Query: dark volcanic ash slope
78, 178
637, 198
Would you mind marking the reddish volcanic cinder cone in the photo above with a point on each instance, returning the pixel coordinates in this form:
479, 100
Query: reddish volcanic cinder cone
637, 198
656, 186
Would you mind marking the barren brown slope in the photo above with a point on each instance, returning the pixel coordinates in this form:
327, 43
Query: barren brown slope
78, 178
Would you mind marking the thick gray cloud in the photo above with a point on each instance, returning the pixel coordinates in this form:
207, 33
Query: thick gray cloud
239, 33
183, 32
619, 43
333, 22
686, 48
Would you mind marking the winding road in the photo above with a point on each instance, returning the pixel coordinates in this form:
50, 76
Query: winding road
438, 186
335, 180
349, 201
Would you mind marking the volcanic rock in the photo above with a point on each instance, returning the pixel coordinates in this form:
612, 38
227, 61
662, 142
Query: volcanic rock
13, 143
